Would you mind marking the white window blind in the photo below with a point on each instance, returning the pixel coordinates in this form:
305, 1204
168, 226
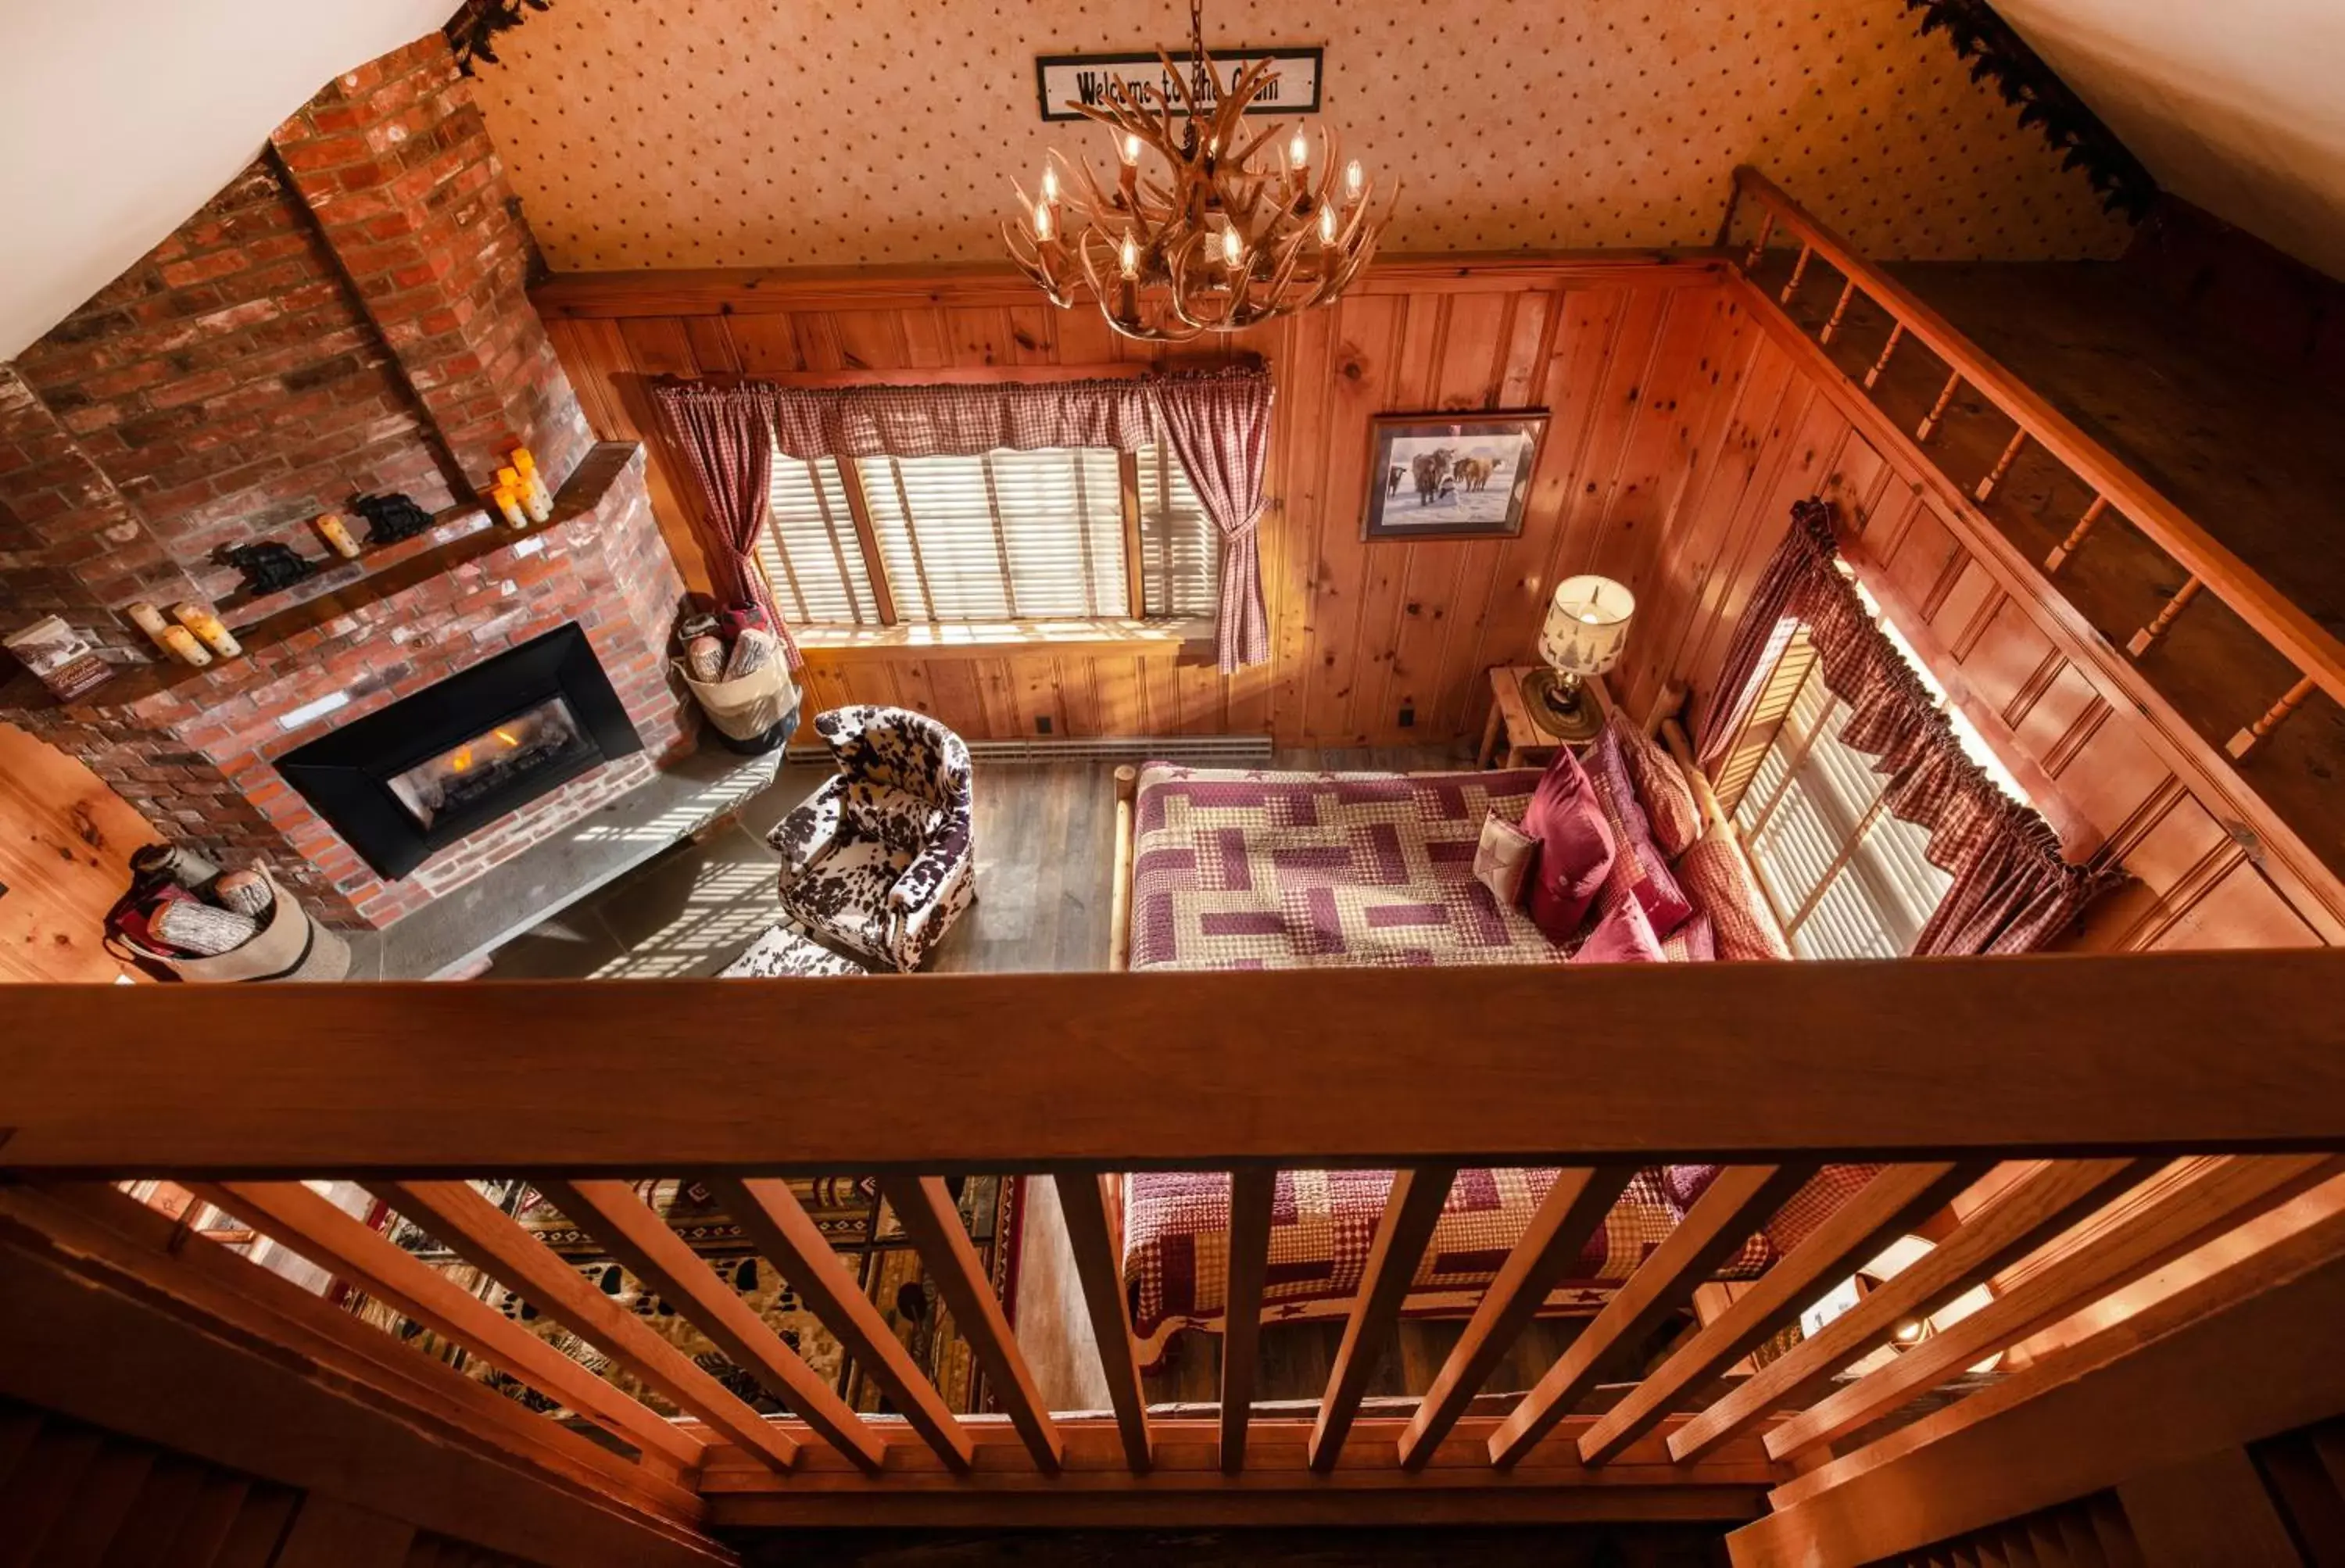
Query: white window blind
810, 553
1180, 549
1010, 535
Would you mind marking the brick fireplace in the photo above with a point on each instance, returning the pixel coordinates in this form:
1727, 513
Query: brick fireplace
348, 315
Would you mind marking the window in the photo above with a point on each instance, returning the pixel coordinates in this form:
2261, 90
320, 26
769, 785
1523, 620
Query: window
1844, 876
1061, 534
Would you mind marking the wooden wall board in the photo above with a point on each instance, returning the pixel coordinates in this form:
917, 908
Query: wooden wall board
65, 843
1619, 351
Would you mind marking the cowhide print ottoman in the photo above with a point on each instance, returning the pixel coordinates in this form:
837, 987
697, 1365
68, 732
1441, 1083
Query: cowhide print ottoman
783, 951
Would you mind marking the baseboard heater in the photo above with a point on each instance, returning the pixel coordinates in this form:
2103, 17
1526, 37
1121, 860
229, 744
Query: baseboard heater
1206, 750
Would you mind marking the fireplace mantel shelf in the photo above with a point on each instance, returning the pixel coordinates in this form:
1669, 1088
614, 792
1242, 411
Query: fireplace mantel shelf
390, 570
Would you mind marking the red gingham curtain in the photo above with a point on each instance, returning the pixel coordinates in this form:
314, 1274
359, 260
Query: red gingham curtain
2012, 891
722, 434
1216, 421
1220, 426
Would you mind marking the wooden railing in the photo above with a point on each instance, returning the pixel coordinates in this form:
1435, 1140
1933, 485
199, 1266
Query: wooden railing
2063, 1127
2209, 567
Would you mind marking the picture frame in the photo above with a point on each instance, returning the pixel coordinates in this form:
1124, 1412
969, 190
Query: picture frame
1453, 475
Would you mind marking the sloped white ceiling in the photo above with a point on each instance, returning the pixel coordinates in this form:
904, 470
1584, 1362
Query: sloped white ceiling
120, 118
2236, 105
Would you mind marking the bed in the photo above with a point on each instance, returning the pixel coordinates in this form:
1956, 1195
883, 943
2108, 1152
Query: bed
1224, 869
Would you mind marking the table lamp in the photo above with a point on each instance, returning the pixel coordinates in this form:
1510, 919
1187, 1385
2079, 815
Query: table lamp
1587, 625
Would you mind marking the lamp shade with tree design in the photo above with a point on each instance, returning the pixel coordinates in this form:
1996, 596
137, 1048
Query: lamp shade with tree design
1587, 626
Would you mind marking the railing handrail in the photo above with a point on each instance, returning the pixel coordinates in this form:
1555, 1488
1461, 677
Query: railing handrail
2223, 1050
2303, 640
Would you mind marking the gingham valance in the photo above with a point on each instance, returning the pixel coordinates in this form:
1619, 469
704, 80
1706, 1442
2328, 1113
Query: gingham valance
2014, 890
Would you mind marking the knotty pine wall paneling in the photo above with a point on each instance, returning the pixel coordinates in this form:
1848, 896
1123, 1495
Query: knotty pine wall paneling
1633, 358
2205, 873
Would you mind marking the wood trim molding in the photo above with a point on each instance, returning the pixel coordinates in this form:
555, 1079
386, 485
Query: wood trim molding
757, 290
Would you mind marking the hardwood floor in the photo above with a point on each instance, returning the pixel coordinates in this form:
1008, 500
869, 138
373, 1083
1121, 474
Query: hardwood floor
1045, 838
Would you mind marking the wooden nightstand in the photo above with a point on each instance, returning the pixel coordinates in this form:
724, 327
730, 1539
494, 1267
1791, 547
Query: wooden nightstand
1511, 734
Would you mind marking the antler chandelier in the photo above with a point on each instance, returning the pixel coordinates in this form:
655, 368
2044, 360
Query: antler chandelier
1213, 244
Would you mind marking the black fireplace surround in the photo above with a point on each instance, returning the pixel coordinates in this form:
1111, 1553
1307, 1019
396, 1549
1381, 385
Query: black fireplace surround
348, 776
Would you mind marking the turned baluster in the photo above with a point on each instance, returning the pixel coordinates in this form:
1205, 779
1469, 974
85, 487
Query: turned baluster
2002, 466
2149, 634
1798, 271
1758, 246
1937, 410
2245, 741
2067, 547
1840, 312
1896, 336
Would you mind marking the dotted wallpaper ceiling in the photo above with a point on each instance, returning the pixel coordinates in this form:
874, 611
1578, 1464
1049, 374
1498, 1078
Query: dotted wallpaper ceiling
726, 133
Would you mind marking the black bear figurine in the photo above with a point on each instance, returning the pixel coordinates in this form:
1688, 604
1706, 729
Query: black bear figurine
266, 568
391, 518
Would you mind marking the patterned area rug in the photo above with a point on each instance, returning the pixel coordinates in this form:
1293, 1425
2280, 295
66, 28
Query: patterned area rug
849, 1212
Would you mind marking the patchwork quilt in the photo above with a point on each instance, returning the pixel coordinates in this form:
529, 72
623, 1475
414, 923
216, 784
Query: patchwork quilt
1237, 870
1245, 870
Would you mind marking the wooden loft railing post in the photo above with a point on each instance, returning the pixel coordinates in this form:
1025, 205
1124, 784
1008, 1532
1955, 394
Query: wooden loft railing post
2002, 467
2045, 1203
2145, 639
1758, 246
2201, 1200
923, 1206
490, 1241
2067, 547
786, 1235
1252, 1192
1092, 1239
2247, 739
1880, 366
1551, 1244
1412, 1210
1737, 1202
1799, 273
1890, 1205
624, 1224
1840, 313
307, 1224
1922, 432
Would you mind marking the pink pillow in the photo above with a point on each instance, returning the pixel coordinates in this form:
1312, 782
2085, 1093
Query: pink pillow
1623, 936
1639, 870
1575, 851
1660, 789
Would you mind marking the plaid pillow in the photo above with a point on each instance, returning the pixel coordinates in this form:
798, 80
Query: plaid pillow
1720, 881
1660, 789
1639, 870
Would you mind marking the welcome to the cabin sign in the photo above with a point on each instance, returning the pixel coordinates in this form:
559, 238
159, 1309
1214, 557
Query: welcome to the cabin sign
1086, 79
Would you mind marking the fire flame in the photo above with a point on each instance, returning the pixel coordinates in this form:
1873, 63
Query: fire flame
461, 760
507, 735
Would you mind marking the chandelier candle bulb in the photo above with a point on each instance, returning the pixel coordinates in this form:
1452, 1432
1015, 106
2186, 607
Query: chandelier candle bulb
1326, 224
207, 627
1043, 220
1298, 150
1356, 180
1130, 149
330, 528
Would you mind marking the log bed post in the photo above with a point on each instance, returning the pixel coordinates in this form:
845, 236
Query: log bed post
1119, 942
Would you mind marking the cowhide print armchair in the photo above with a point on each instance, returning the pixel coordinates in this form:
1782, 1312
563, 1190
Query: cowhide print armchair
879, 860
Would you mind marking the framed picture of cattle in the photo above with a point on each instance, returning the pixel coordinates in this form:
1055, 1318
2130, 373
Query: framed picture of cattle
1446, 476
